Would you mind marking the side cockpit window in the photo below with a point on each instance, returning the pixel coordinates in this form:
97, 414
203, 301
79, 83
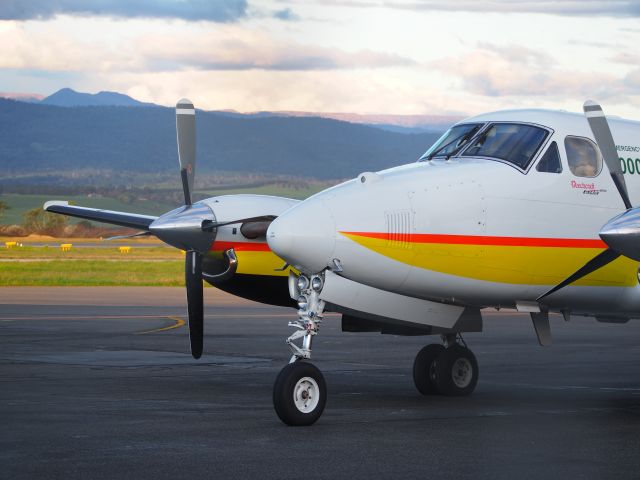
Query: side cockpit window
583, 157
550, 161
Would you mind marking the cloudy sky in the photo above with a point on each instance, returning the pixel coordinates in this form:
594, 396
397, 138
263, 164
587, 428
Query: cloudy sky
361, 56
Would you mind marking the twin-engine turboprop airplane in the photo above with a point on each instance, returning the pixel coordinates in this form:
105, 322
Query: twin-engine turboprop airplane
505, 210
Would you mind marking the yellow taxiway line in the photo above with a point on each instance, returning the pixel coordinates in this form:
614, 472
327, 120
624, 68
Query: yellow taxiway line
178, 323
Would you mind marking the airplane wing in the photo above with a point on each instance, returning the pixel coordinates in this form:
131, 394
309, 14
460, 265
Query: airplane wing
123, 219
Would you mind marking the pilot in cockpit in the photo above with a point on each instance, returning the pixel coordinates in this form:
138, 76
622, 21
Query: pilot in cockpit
582, 157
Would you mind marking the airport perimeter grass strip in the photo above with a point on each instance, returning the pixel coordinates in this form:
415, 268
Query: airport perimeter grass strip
90, 253
129, 272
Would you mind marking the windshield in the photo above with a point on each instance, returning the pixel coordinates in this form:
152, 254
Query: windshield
452, 141
512, 142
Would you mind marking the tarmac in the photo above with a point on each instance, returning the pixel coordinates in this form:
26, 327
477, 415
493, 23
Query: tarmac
98, 383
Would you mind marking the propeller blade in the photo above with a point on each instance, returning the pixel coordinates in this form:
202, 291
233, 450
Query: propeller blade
193, 280
186, 131
604, 139
592, 265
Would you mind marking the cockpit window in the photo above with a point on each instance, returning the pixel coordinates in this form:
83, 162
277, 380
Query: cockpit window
550, 161
512, 142
583, 157
453, 140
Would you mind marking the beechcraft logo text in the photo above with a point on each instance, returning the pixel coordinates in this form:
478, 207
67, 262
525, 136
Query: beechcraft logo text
587, 188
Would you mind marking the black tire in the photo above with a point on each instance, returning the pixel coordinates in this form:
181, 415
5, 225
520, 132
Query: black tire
456, 371
289, 390
423, 369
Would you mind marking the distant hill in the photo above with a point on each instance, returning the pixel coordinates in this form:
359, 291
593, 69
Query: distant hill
67, 97
394, 123
22, 97
45, 138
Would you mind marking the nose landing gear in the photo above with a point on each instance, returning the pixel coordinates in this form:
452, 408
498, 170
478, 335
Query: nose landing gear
450, 369
300, 392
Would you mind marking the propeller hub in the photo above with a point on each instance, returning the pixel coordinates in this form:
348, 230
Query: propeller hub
183, 228
622, 233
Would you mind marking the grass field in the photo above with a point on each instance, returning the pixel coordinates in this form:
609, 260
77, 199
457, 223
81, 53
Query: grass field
19, 204
54, 252
87, 266
299, 193
92, 273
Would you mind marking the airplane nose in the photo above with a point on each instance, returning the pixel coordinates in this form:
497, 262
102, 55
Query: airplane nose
304, 236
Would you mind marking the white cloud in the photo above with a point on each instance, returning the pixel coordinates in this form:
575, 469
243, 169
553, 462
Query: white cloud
366, 60
554, 7
233, 48
516, 71
228, 47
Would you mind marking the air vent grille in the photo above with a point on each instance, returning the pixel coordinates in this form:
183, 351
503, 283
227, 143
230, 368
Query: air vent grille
398, 228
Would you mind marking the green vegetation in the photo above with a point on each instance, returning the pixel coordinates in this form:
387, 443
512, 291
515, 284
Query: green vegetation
300, 192
92, 273
16, 205
37, 220
54, 252
50, 266
19, 204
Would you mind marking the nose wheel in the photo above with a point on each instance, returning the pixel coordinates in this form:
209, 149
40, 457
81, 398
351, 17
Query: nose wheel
451, 371
299, 394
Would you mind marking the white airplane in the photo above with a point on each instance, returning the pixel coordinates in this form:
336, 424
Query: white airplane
514, 209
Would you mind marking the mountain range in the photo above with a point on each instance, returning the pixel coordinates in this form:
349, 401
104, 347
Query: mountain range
67, 97
43, 138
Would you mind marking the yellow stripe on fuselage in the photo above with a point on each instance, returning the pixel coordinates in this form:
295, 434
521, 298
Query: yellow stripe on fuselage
260, 263
504, 263
254, 258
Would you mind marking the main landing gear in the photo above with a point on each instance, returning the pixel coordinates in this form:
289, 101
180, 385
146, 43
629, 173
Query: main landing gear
300, 392
450, 369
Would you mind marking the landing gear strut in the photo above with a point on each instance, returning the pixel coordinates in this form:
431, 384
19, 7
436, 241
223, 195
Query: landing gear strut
300, 392
450, 369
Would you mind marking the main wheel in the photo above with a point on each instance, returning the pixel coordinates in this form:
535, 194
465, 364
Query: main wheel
423, 369
456, 371
299, 394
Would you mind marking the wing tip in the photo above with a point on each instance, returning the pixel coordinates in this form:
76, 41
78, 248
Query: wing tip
55, 203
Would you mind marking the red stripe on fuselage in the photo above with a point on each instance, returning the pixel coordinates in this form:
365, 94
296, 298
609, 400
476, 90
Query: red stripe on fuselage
241, 246
483, 240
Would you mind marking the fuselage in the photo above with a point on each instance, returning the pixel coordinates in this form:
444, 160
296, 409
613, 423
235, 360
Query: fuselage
476, 229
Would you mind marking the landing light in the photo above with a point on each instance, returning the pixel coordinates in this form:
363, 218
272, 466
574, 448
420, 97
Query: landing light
303, 283
316, 283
